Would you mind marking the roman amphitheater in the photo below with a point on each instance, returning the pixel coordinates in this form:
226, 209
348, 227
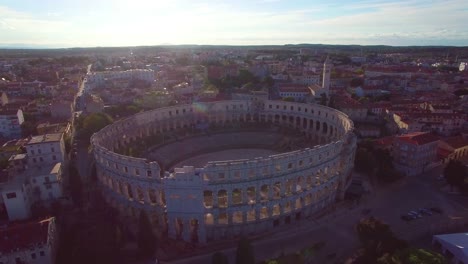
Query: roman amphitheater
211, 171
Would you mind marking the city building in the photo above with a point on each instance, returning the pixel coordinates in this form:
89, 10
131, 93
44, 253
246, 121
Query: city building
24, 185
226, 199
46, 149
35, 241
10, 123
414, 152
96, 79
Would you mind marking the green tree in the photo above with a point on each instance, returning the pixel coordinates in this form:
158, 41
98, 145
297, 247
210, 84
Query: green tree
76, 186
146, 238
92, 124
377, 238
244, 252
455, 173
413, 256
364, 161
219, 258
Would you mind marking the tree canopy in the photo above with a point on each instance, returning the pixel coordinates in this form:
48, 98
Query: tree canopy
145, 237
455, 174
244, 253
413, 256
76, 186
91, 124
219, 258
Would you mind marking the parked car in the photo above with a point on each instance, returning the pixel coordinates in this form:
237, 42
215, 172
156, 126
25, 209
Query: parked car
425, 211
416, 214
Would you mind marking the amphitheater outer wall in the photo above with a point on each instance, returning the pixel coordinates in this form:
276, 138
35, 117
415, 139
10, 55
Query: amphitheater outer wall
224, 200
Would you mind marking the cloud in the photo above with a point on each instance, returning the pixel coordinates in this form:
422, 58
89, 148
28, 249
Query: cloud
145, 22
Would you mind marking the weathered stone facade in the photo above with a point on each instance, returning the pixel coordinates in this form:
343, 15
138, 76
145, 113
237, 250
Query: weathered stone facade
226, 199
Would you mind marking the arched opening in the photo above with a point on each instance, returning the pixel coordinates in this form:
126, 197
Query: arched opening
120, 187
299, 183
277, 190
129, 191
152, 196
287, 207
223, 219
276, 210
237, 217
251, 215
140, 195
264, 192
308, 199
324, 128
209, 219
251, 195
237, 196
208, 198
309, 182
263, 213
222, 198
317, 125
298, 203
289, 187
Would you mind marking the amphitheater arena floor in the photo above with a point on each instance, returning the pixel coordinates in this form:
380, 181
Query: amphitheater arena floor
198, 150
228, 154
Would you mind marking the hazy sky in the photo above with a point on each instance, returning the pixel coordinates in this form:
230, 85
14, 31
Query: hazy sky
67, 23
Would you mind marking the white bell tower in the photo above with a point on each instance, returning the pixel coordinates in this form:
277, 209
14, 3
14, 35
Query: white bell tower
327, 65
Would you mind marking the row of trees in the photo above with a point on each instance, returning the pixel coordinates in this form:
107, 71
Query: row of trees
380, 245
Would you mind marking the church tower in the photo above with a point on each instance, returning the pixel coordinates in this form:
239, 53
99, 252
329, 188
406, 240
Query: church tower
327, 65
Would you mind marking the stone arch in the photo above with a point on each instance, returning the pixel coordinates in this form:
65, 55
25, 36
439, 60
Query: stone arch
251, 195
208, 198
277, 190
276, 210
140, 195
299, 184
129, 191
324, 128
121, 189
289, 187
152, 196
264, 192
222, 198
287, 207
236, 196
309, 182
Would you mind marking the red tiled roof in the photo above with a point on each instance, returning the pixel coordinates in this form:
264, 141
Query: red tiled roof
419, 138
456, 142
24, 235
